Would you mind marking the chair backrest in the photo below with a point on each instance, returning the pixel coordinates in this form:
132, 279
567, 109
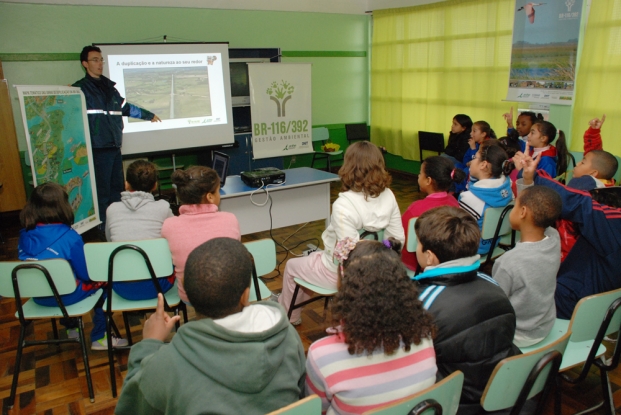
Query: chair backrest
617, 176
371, 235
129, 264
505, 384
412, 240
491, 220
358, 131
321, 134
446, 392
311, 405
264, 253
32, 281
589, 312
430, 141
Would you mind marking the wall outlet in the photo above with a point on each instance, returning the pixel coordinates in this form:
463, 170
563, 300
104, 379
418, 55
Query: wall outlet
292, 159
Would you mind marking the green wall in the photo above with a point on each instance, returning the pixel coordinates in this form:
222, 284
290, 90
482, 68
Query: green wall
36, 41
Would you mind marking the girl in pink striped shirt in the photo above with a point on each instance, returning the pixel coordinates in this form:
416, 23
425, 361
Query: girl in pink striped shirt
384, 350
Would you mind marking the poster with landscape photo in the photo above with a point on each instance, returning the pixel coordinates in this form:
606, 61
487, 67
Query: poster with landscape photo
543, 57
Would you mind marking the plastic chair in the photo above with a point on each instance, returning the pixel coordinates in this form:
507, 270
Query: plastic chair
325, 293
430, 142
444, 396
311, 405
585, 344
52, 277
496, 227
534, 372
263, 254
147, 259
355, 132
323, 135
411, 243
617, 176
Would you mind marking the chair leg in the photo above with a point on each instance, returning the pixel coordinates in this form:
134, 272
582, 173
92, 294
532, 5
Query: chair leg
18, 362
313, 162
87, 369
128, 331
609, 406
117, 333
292, 305
325, 306
55, 329
329, 165
109, 323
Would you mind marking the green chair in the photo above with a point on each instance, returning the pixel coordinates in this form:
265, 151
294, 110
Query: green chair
496, 227
322, 135
617, 176
325, 293
311, 405
443, 398
52, 277
585, 344
116, 262
411, 243
263, 254
518, 378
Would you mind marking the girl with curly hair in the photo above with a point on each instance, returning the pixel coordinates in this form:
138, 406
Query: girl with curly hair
384, 351
366, 203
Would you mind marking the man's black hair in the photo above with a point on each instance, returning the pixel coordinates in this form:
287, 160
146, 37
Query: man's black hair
85, 50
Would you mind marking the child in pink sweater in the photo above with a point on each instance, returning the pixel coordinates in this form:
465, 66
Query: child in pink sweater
435, 178
198, 189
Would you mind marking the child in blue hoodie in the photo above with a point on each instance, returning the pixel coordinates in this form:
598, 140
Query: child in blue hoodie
47, 234
489, 186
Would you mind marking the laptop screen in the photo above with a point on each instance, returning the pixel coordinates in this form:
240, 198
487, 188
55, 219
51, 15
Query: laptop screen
220, 163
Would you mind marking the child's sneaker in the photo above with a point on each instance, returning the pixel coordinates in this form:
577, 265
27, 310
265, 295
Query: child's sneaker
73, 333
102, 344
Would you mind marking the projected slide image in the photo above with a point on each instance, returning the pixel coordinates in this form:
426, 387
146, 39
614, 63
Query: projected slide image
171, 93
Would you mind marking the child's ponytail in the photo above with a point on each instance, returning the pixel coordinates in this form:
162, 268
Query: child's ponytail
442, 172
507, 167
561, 154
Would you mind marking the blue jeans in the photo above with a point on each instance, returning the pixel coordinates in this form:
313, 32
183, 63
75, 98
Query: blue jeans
108, 163
140, 290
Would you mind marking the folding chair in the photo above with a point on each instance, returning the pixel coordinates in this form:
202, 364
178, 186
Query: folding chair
148, 259
585, 343
496, 227
322, 135
325, 293
52, 277
443, 398
311, 405
430, 142
411, 243
263, 254
518, 378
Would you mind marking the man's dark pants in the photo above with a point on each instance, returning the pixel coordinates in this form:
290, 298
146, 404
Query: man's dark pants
108, 177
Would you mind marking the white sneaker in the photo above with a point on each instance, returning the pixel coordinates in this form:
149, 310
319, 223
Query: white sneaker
73, 333
102, 344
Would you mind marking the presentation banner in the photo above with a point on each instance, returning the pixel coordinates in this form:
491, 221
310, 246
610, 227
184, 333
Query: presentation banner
59, 146
280, 106
543, 57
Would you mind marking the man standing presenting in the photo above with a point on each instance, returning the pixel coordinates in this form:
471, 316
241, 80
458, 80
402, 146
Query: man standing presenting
105, 108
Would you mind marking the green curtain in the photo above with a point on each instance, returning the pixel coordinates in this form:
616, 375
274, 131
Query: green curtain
433, 61
598, 84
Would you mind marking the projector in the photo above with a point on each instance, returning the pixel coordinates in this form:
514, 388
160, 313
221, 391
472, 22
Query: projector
263, 177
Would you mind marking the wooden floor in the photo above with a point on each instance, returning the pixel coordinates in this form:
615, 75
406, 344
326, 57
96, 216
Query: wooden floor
52, 379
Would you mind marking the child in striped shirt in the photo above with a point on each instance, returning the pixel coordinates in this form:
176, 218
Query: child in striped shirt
384, 350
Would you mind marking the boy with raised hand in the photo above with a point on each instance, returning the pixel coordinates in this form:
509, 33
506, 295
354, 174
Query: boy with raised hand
474, 318
527, 273
233, 358
592, 266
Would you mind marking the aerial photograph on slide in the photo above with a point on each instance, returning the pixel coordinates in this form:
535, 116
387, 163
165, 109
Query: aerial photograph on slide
170, 93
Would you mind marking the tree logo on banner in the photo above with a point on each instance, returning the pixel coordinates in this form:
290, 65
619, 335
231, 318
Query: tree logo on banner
280, 94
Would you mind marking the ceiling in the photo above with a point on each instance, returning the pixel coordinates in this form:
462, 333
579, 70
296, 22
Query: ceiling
319, 6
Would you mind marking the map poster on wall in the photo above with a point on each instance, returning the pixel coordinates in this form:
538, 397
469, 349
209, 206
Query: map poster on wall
280, 107
59, 146
543, 57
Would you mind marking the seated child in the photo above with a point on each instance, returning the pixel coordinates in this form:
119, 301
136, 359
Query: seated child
458, 138
138, 216
234, 358
481, 131
553, 159
47, 234
596, 170
592, 266
488, 186
380, 356
435, 179
527, 273
522, 127
474, 318
199, 220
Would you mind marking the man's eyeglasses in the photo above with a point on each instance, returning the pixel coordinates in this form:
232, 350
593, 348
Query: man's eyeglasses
97, 60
